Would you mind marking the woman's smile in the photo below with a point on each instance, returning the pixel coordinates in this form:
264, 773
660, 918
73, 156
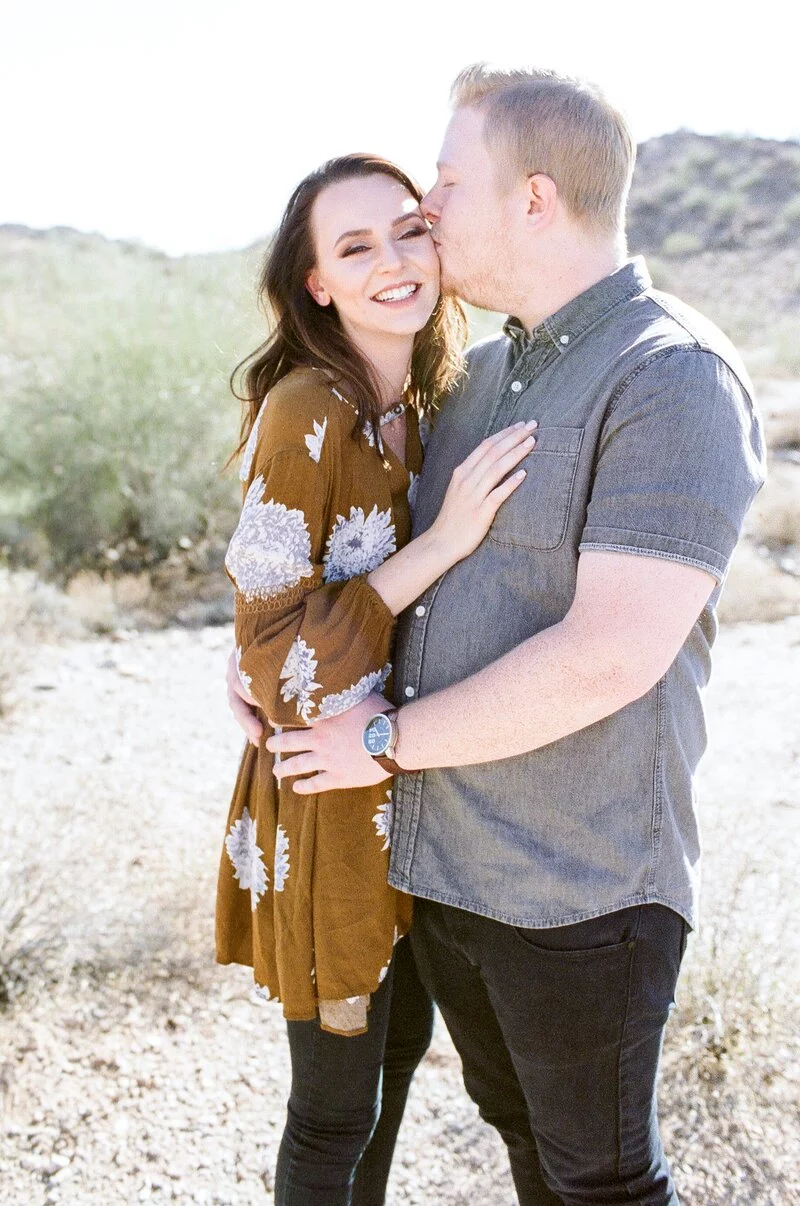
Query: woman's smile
398, 294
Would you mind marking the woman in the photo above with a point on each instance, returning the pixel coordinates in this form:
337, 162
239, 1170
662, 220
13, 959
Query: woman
362, 346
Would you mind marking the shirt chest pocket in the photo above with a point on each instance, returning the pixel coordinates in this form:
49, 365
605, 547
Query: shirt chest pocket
536, 514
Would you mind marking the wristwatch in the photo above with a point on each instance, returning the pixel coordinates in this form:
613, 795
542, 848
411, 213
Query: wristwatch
379, 739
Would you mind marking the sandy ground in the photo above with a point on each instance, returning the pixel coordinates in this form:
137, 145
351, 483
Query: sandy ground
142, 1072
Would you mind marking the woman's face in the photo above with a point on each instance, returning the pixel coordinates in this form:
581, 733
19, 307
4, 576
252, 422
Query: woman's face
375, 259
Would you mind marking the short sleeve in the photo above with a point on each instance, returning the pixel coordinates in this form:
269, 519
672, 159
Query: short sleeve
680, 458
312, 636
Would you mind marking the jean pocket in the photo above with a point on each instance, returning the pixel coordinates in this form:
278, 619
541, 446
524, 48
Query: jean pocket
577, 1000
535, 516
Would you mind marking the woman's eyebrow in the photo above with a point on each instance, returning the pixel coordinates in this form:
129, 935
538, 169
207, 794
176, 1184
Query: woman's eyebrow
350, 234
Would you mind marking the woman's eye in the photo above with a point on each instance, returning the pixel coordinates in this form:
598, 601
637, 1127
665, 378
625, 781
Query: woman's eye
355, 249
415, 232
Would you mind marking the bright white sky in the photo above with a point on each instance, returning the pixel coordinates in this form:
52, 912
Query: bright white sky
185, 124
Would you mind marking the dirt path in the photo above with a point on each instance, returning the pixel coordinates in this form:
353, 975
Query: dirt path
148, 1074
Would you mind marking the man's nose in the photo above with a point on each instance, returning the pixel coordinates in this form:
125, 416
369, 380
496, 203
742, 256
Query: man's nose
428, 206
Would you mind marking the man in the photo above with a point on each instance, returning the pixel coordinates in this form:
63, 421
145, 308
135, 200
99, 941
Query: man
551, 719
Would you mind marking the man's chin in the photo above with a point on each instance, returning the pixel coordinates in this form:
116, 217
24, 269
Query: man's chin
454, 286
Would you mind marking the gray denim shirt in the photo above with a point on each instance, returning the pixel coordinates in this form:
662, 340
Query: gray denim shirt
648, 444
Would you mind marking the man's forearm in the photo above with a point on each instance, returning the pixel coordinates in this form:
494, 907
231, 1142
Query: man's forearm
551, 685
629, 619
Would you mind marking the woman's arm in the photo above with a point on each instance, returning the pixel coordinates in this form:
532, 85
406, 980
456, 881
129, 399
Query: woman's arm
478, 487
309, 641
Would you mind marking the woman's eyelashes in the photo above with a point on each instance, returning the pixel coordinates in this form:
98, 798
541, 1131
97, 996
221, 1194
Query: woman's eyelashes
413, 232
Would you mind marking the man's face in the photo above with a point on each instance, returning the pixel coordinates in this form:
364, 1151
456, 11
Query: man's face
470, 216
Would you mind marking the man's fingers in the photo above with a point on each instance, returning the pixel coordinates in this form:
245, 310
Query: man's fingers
300, 764
291, 741
313, 784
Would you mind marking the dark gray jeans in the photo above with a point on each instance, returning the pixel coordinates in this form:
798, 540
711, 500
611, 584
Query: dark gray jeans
559, 1031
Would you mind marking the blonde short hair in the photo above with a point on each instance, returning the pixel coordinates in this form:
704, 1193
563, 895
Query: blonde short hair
540, 121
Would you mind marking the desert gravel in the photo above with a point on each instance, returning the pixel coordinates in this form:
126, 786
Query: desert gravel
133, 1069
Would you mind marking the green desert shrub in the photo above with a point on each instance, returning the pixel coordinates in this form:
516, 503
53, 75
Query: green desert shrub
117, 417
125, 442
680, 243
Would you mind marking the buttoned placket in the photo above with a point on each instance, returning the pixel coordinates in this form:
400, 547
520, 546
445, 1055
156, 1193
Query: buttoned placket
532, 356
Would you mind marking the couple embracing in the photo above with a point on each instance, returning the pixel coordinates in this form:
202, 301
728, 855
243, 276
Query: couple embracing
514, 837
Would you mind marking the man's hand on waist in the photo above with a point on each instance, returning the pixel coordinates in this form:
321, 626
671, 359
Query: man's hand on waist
331, 754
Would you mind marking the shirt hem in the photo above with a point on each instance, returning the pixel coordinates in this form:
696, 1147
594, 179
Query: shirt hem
404, 884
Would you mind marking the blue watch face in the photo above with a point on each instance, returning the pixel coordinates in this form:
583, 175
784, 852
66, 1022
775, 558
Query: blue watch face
377, 735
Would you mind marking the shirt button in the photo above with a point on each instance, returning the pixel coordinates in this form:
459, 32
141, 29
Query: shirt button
564, 339
419, 611
516, 386
410, 692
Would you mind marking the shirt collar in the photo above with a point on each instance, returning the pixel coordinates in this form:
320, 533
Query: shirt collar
572, 320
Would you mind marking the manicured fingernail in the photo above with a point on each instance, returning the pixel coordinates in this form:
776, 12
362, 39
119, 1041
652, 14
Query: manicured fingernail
532, 423
522, 473
529, 440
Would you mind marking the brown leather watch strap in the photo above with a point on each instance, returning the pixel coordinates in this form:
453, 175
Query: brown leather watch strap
389, 764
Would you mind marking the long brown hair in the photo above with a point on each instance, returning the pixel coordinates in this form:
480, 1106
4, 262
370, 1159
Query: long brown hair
305, 333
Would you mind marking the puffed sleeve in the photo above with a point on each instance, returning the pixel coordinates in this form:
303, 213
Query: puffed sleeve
312, 637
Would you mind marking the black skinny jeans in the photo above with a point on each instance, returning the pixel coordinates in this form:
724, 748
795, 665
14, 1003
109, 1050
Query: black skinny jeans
348, 1095
559, 1032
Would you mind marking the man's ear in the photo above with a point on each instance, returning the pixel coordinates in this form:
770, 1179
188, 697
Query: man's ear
316, 289
542, 197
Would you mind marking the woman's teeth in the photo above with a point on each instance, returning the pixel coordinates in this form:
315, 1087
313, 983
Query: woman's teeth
399, 294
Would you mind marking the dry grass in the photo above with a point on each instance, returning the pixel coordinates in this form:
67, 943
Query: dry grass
31, 612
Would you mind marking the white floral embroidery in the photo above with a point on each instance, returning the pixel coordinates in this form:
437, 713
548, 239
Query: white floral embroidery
383, 823
281, 858
314, 442
244, 679
413, 482
299, 670
383, 971
334, 705
359, 544
271, 547
250, 446
246, 857
368, 432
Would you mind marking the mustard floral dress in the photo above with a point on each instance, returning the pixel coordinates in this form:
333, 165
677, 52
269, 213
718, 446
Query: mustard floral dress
303, 896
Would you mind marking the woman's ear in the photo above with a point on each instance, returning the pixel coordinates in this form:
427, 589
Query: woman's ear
316, 289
